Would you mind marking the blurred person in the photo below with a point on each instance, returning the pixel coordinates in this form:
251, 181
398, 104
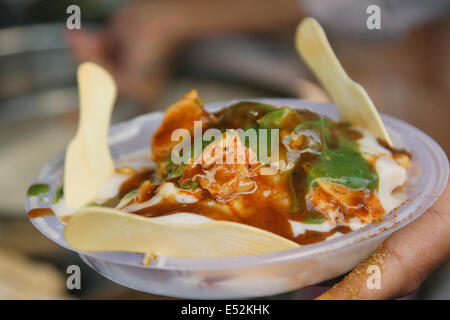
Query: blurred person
404, 65
141, 40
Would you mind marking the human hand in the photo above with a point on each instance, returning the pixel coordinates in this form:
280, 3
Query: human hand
405, 258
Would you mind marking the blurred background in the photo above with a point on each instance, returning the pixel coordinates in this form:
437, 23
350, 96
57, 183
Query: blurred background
157, 51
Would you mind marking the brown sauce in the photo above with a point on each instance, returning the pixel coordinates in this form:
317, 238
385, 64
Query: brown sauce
268, 220
394, 151
347, 132
269, 213
310, 236
40, 212
135, 181
165, 208
254, 210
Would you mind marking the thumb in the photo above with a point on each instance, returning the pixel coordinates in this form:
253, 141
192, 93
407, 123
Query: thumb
403, 261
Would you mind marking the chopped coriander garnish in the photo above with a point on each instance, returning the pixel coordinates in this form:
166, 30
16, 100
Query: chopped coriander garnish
37, 189
58, 196
190, 186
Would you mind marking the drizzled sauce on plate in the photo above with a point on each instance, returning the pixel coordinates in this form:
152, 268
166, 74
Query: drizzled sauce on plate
40, 212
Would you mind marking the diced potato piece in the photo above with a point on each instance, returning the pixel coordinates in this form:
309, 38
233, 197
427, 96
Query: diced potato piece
225, 180
145, 192
340, 203
324, 203
228, 149
180, 115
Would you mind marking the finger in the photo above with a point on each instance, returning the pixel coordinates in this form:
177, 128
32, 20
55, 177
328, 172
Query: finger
100, 48
139, 71
404, 260
85, 46
143, 90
